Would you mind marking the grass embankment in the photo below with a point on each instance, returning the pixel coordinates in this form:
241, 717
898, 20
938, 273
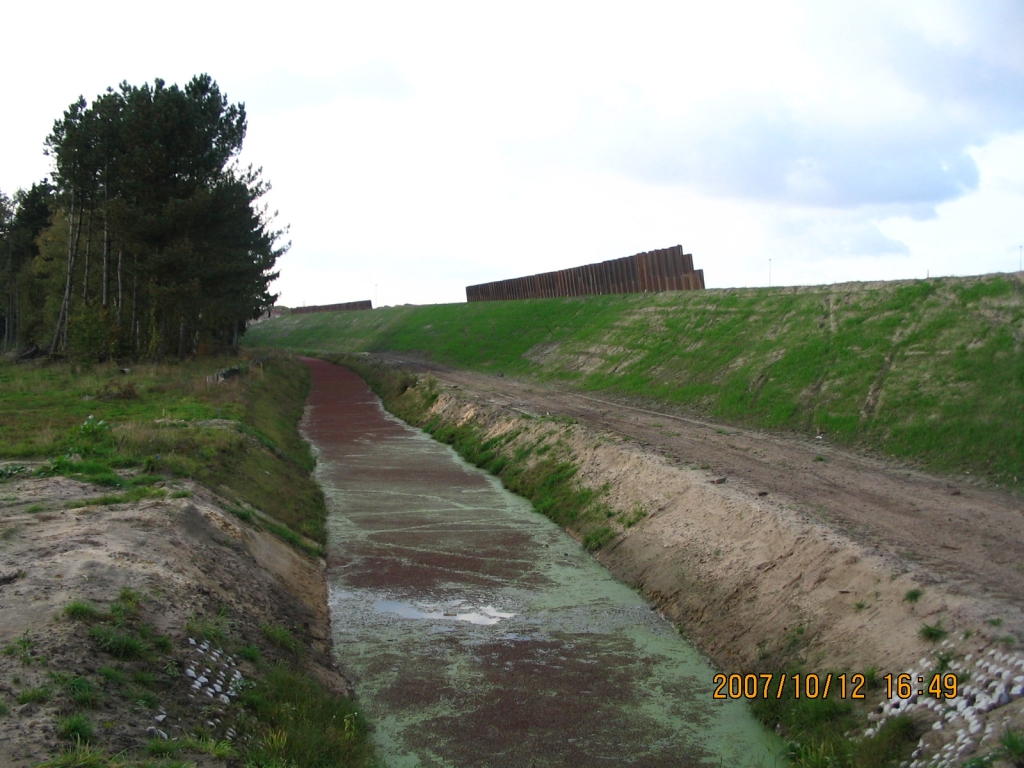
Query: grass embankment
135, 431
237, 436
533, 459
929, 370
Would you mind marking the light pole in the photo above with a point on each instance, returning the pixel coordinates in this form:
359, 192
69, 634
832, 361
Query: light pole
769, 273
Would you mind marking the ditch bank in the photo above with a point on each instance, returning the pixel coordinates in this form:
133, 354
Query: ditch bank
752, 582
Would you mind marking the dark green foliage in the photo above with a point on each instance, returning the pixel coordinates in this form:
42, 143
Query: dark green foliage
153, 241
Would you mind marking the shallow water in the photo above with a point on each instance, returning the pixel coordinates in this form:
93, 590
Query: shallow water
478, 633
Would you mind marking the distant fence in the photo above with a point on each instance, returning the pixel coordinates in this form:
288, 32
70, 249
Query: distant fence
346, 307
668, 269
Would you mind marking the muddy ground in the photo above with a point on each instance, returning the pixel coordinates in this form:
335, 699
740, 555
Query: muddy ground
197, 570
764, 545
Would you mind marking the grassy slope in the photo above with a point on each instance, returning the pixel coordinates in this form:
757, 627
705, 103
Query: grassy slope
168, 419
931, 370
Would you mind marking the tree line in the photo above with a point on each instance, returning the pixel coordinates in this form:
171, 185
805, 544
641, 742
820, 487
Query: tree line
148, 240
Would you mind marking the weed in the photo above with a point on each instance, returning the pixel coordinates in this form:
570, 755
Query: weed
82, 611
933, 633
282, 638
1012, 744
36, 508
597, 538
994, 622
38, 695
634, 517
121, 643
144, 677
871, 678
82, 692
82, 755
860, 605
913, 595
1008, 640
113, 675
819, 457
181, 495
163, 747
214, 629
222, 750
76, 728
249, 653
304, 724
3, 708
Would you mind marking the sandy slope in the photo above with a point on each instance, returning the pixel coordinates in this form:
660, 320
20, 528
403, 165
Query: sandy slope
756, 546
190, 560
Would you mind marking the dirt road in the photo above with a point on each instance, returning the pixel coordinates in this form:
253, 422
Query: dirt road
958, 532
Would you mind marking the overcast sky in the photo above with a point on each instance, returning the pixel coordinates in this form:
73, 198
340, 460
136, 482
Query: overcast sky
418, 148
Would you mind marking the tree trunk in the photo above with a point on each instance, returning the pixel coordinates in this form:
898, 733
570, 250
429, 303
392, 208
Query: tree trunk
72, 247
120, 301
88, 248
106, 237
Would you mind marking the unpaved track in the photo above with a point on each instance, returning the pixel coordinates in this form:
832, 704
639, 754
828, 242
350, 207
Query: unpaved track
958, 532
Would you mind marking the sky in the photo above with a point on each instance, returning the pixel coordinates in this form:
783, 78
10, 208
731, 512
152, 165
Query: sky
417, 148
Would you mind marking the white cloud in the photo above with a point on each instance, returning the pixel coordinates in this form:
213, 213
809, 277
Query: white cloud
423, 147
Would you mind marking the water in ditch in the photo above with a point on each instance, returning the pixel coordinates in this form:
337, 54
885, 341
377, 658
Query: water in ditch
478, 633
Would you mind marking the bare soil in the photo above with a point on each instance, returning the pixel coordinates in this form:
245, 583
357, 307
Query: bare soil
765, 545
192, 562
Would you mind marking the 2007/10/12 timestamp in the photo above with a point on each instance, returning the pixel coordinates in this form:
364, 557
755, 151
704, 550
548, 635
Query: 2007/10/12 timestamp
813, 685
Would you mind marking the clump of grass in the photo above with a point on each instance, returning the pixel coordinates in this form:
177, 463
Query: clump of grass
598, 537
80, 610
932, 633
249, 653
83, 692
913, 595
304, 724
144, 677
222, 750
181, 494
1012, 744
82, 755
994, 622
39, 695
119, 642
860, 605
76, 728
282, 638
4, 709
637, 514
164, 747
113, 674
213, 629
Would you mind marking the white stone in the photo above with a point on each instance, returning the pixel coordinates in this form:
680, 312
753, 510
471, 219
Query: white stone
224, 699
191, 641
160, 718
190, 673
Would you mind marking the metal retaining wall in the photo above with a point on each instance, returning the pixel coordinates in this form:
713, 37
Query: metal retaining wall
346, 307
668, 269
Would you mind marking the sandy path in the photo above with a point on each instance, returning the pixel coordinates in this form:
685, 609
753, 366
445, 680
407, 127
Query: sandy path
958, 532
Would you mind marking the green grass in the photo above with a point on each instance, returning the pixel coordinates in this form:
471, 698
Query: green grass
913, 595
282, 638
933, 633
39, 695
238, 437
302, 724
921, 369
120, 642
75, 728
81, 610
